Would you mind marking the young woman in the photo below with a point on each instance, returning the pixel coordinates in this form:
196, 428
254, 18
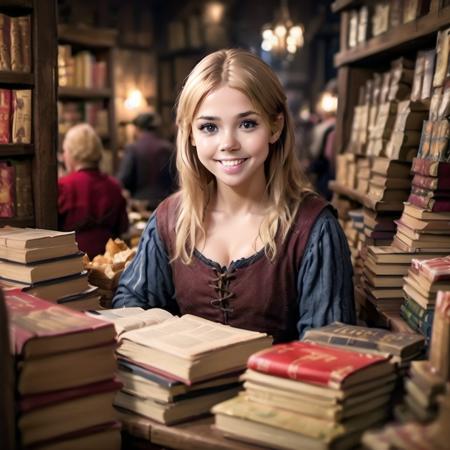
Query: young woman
244, 241
89, 202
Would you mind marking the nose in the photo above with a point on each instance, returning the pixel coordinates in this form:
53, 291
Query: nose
229, 142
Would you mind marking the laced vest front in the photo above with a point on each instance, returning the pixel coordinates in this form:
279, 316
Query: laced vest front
252, 293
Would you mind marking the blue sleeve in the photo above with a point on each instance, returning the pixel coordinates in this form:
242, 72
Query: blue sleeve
325, 284
147, 281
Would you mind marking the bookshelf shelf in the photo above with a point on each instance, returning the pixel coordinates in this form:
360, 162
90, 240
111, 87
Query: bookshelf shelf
86, 36
398, 40
341, 5
353, 194
84, 93
25, 4
12, 150
16, 78
18, 222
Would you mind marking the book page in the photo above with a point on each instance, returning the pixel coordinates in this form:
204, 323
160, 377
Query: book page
190, 336
126, 319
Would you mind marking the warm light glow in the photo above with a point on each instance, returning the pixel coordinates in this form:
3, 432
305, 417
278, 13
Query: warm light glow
328, 102
280, 30
134, 99
214, 12
282, 36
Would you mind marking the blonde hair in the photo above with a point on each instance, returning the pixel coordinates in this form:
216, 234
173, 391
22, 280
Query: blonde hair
286, 184
83, 145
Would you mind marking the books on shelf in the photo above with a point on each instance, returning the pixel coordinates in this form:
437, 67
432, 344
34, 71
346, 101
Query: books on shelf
15, 43
7, 197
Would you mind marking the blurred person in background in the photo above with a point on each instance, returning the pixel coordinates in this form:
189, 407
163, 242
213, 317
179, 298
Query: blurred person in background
321, 151
146, 168
89, 202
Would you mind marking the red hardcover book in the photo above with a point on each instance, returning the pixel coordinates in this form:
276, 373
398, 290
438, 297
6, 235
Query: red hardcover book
430, 204
31, 402
432, 183
319, 364
5, 116
40, 328
7, 188
431, 168
435, 269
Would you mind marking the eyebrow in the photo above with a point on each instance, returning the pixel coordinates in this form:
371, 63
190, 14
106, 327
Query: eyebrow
240, 116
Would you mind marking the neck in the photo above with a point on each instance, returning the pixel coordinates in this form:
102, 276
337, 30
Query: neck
248, 200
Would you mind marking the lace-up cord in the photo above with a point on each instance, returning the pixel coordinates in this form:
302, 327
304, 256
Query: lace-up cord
220, 283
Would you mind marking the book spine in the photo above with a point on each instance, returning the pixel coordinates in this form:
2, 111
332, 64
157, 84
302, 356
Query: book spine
419, 325
24, 23
16, 46
422, 314
5, 54
440, 342
6, 190
21, 123
429, 167
424, 182
23, 189
5, 116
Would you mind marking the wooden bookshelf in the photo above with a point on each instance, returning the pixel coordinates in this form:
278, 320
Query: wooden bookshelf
355, 66
41, 153
395, 42
101, 43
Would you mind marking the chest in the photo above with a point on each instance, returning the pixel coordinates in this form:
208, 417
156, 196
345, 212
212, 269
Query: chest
231, 239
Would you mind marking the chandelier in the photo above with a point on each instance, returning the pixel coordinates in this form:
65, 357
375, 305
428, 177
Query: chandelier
282, 36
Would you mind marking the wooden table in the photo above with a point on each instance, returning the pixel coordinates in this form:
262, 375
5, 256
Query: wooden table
145, 434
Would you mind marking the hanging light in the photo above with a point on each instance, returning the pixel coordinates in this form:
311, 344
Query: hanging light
282, 37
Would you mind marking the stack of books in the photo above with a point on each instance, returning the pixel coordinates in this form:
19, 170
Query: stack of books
65, 368
424, 279
384, 269
422, 231
428, 378
176, 368
402, 348
47, 264
307, 395
413, 435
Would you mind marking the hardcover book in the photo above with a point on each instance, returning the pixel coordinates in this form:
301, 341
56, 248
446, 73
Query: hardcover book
432, 183
435, 269
442, 57
431, 168
40, 328
5, 53
5, 116
21, 120
43, 270
319, 364
29, 238
383, 341
6, 190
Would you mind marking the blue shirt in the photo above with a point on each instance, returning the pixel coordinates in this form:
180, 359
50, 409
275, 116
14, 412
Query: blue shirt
324, 281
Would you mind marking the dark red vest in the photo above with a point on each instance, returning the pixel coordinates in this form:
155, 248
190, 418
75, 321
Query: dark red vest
261, 295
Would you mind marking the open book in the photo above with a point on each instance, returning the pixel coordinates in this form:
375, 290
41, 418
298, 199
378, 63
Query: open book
188, 348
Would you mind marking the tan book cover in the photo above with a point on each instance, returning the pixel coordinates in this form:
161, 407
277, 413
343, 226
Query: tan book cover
23, 238
15, 45
442, 57
21, 120
5, 52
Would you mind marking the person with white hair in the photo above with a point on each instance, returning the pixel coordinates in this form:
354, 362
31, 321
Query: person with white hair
89, 202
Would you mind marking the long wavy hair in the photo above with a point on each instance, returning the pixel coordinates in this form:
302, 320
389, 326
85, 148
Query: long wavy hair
286, 184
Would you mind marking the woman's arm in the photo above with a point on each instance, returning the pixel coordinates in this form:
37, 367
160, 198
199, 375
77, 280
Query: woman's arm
325, 283
147, 281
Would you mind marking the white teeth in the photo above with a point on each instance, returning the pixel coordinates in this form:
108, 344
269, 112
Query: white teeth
231, 163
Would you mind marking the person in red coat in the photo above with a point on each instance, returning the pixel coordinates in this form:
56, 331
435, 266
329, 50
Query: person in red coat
89, 202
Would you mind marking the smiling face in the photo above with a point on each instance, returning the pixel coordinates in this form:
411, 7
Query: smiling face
232, 138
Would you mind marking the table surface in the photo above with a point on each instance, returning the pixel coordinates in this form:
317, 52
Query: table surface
145, 434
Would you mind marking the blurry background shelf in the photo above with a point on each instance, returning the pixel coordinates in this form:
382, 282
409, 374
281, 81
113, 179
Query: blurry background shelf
12, 150
398, 40
69, 92
16, 78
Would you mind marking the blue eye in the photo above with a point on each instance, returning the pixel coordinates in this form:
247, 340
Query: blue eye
248, 124
208, 127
